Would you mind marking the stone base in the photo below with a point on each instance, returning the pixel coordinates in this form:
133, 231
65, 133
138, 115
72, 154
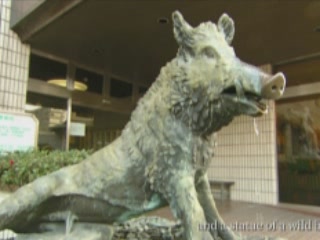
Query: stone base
144, 228
150, 228
80, 231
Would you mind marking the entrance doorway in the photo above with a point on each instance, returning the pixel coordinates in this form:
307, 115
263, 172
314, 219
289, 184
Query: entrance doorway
77, 107
298, 136
298, 133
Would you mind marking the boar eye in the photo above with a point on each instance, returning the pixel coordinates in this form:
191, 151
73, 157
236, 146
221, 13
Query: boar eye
209, 52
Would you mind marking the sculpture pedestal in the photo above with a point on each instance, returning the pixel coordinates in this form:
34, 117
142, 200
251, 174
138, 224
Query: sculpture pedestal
80, 231
143, 228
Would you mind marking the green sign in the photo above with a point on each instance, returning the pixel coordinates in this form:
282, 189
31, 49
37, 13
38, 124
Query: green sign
18, 132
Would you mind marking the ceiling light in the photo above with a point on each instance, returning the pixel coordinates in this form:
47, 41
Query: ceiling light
31, 108
63, 83
163, 20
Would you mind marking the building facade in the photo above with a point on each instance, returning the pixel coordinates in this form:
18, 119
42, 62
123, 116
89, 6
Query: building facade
14, 64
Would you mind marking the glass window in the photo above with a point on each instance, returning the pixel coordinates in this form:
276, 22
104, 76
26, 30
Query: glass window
94, 81
46, 69
120, 89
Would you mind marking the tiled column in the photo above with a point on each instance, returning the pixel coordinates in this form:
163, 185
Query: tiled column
14, 64
247, 158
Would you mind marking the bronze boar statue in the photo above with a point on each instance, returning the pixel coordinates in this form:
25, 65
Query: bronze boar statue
162, 155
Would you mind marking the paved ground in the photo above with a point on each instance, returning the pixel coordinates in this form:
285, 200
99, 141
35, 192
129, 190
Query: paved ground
292, 222
289, 221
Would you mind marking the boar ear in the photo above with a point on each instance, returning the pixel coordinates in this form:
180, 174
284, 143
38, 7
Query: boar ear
182, 30
226, 26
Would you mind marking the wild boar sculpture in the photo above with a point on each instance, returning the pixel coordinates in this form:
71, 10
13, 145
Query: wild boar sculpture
163, 153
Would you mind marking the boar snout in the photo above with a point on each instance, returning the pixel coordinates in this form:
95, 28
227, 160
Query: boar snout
273, 86
260, 83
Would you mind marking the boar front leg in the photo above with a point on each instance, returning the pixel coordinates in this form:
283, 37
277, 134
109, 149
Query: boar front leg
211, 212
19, 209
184, 204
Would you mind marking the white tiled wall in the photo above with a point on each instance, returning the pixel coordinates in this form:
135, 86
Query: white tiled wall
248, 159
14, 64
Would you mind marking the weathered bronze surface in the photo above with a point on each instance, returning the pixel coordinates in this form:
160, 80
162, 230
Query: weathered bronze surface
163, 153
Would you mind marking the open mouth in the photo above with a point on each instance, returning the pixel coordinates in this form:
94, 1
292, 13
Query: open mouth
248, 98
